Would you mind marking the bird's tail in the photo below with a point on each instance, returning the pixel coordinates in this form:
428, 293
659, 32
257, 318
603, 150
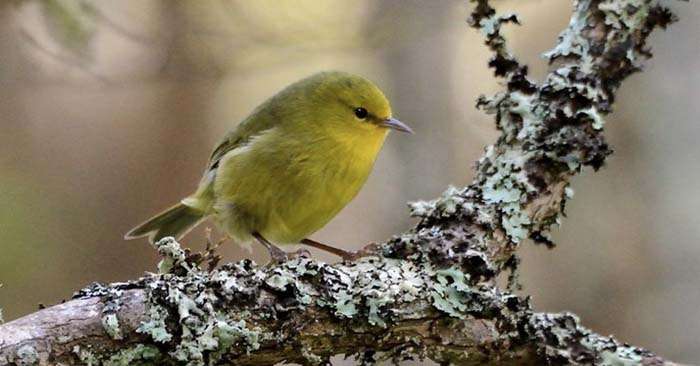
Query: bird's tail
175, 221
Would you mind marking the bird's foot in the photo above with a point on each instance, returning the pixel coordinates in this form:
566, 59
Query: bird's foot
281, 256
300, 253
211, 257
350, 256
347, 256
277, 255
367, 250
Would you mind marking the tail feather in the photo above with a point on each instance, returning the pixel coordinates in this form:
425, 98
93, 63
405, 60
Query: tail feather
175, 221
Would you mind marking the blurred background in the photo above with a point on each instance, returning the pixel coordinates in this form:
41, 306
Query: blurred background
109, 110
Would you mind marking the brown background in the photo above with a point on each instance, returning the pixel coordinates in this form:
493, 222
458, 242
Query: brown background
98, 135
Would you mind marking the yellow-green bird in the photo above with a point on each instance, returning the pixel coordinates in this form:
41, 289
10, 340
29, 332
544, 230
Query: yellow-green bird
289, 167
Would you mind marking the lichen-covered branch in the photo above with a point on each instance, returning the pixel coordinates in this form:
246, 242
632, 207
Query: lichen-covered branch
302, 312
428, 293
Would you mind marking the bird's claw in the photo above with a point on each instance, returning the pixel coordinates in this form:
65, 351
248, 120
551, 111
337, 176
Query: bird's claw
351, 256
367, 250
300, 253
280, 256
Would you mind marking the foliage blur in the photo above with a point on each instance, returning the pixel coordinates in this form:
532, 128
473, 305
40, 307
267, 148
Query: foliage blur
108, 111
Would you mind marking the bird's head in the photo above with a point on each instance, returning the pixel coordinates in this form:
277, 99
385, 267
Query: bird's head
351, 102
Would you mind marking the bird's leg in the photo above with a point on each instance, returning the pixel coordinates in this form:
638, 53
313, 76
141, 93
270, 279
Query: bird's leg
222, 240
278, 255
348, 256
210, 255
210, 245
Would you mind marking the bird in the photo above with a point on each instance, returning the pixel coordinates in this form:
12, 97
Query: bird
289, 167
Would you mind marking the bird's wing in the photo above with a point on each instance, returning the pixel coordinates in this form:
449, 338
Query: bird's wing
232, 140
244, 133
256, 124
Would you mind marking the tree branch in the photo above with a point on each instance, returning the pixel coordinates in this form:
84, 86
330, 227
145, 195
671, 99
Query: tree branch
428, 293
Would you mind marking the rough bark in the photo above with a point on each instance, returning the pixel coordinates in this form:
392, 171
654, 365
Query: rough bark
428, 293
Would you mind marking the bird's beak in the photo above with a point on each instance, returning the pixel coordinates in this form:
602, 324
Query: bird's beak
395, 124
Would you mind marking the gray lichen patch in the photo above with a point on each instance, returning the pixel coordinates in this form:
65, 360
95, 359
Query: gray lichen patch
186, 310
26, 356
138, 354
110, 323
111, 296
86, 356
624, 14
451, 291
312, 358
446, 206
155, 325
562, 339
173, 256
365, 289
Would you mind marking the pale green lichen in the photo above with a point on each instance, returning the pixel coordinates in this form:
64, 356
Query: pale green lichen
561, 336
155, 325
136, 355
173, 255
573, 44
526, 107
282, 277
27, 356
449, 294
421, 208
139, 354
110, 323
501, 189
624, 13
363, 289
215, 339
515, 222
597, 121
311, 358
450, 201
569, 192
570, 40
448, 204
491, 26
344, 305
111, 297
86, 356
505, 187
204, 334
609, 358
228, 334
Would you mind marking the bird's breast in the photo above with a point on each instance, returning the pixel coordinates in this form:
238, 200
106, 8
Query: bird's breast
291, 185
328, 179
349, 157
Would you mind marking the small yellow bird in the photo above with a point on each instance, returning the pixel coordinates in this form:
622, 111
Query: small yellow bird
289, 167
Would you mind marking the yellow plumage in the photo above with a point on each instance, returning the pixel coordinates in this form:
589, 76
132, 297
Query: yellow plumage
291, 166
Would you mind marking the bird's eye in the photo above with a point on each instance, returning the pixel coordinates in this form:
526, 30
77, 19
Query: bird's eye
361, 113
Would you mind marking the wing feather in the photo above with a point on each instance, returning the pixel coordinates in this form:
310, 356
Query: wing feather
261, 120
